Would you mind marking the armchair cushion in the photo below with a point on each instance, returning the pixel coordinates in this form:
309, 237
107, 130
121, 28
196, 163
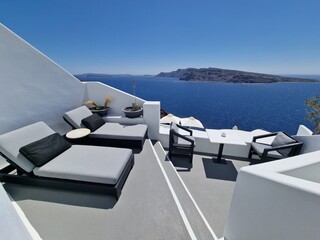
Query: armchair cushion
174, 127
184, 143
260, 147
44, 150
93, 122
280, 140
181, 145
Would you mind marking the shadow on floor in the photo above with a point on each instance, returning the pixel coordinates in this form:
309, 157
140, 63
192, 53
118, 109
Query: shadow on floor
213, 170
25, 192
181, 164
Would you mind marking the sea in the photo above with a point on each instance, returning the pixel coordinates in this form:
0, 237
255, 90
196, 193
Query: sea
272, 107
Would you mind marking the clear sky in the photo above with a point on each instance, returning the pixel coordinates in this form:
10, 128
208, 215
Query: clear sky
150, 36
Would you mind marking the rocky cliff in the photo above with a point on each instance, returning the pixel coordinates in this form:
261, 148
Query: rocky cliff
229, 76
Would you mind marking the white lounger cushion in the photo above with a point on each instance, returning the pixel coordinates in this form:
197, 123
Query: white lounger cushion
11, 142
75, 116
87, 163
118, 131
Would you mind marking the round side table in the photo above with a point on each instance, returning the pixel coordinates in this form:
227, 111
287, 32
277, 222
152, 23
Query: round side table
78, 133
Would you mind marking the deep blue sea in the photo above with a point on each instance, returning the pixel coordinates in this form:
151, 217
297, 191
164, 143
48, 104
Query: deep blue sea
272, 107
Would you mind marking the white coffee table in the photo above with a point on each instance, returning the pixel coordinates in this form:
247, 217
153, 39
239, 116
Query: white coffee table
227, 136
78, 133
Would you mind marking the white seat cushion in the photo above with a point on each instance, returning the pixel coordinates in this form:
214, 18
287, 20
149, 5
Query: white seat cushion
260, 147
184, 143
108, 130
88, 164
119, 131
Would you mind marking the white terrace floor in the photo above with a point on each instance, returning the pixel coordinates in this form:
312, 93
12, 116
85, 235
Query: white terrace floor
154, 203
211, 186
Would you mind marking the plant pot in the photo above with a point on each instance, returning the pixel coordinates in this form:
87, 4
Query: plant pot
130, 113
102, 111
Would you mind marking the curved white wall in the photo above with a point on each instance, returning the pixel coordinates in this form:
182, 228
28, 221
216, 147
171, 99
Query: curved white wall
277, 200
33, 87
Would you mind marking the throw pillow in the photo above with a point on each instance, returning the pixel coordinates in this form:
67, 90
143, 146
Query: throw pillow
93, 122
174, 128
280, 140
44, 150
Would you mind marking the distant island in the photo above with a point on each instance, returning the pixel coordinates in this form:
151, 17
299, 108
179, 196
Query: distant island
228, 76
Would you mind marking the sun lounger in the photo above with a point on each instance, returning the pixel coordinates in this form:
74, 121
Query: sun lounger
108, 133
103, 168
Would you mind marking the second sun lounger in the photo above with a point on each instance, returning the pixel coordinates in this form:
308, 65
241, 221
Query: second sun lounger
108, 133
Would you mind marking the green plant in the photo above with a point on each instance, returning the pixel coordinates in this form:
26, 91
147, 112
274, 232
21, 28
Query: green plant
134, 106
96, 106
313, 115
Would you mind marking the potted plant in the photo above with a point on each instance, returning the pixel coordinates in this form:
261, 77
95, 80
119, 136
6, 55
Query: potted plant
95, 108
134, 110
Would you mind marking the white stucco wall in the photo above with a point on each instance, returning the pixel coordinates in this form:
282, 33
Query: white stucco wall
311, 143
276, 200
33, 87
303, 131
151, 115
11, 224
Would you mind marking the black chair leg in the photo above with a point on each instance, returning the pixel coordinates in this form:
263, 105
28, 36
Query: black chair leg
250, 153
19, 172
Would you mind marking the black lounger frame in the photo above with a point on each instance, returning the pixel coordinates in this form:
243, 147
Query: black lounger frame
95, 141
64, 184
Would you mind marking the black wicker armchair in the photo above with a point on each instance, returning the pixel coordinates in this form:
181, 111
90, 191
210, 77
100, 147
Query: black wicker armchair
181, 145
282, 146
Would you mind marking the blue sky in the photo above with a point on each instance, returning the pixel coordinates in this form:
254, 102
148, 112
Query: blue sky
149, 36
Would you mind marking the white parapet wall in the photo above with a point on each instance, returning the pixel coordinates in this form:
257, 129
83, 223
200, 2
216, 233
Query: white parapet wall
204, 145
97, 92
277, 200
151, 115
202, 140
303, 131
13, 225
311, 143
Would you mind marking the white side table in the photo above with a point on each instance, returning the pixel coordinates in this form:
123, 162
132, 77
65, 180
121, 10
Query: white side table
227, 136
78, 133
